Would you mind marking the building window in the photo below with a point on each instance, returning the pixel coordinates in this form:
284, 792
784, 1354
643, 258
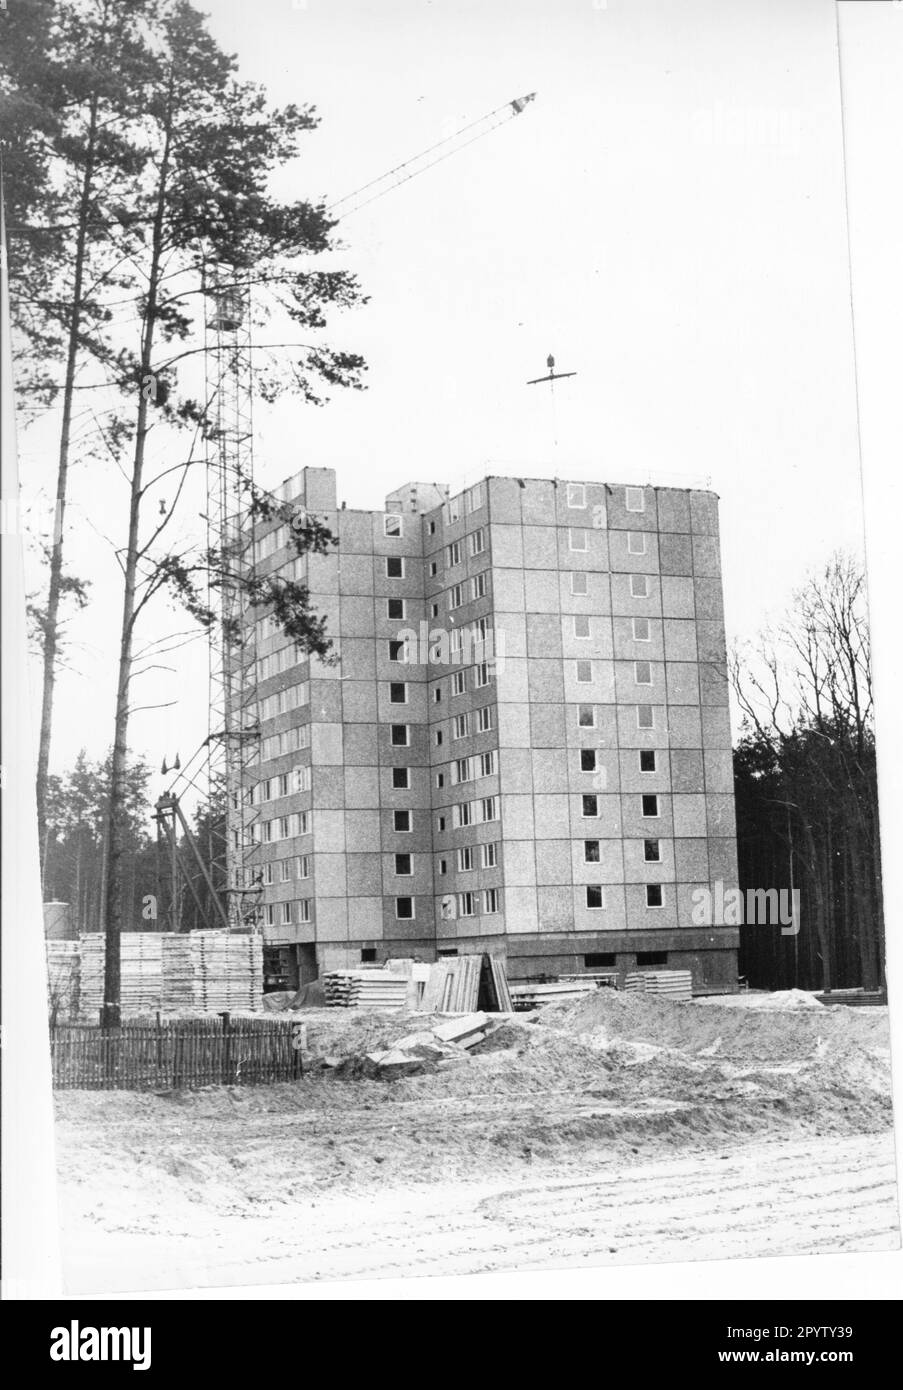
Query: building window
368, 955
437, 694
453, 554
398, 693
392, 524
397, 651
489, 855
400, 735
404, 909
401, 821
587, 759
579, 583
434, 610
591, 852
576, 538
634, 499
465, 859
489, 808
302, 778
438, 738
434, 569
636, 543
597, 959
490, 900
395, 608
590, 806
443, 866
457, 596
652, 957
641, 630
401, 778
576, 495
482, 675
302, 864
478, 585
647, 760
478, 542
454, 509
484, 719
650, 804
652, 852
595, 897
303, 822
475, 498
461, 770
584, 672
440, 779
285, 913
642, 672
269, 915
487, 764
459, 726
645, 717
467, 904
403, 865
304, 910
582, 625
586, 716
395, 567
285, 870
463, 814
432, 528
268, 873
655, 895
639, 586
459, 684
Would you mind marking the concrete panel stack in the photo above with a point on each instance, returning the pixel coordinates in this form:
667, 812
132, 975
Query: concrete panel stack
227, 970
382, 990
673, 984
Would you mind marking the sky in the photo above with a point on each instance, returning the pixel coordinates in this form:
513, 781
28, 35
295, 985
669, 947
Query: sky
667, 218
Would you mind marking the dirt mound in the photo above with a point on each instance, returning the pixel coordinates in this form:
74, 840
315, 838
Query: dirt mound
738, 1034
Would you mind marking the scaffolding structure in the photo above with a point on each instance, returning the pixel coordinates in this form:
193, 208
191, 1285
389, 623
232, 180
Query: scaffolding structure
233, 743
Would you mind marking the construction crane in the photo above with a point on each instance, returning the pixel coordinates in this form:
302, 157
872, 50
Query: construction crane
233, 744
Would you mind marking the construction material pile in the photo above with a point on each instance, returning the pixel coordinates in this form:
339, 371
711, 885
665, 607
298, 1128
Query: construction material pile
463, 984
380, 990
673, 984
178, 970
532, 994
227, 970
63, 977
141, 987
206, 971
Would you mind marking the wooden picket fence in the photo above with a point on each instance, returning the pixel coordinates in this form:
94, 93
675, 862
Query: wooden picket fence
174, 1054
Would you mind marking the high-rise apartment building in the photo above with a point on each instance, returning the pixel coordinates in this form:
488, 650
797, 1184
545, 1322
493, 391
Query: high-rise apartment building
524, 746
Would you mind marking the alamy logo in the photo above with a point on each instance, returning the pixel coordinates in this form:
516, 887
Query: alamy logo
77, 1343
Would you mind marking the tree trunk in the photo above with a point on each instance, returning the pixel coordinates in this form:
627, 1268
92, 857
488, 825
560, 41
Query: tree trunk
51, 624
118, 789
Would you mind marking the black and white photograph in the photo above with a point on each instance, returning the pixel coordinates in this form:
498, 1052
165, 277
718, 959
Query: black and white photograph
440, 776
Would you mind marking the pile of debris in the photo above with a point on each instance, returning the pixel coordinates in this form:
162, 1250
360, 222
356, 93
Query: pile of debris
437, 1048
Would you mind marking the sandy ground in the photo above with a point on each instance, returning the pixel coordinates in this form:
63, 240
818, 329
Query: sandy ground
569, 1137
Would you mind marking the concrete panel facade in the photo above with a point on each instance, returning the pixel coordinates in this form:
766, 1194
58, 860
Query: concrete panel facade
525, 736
